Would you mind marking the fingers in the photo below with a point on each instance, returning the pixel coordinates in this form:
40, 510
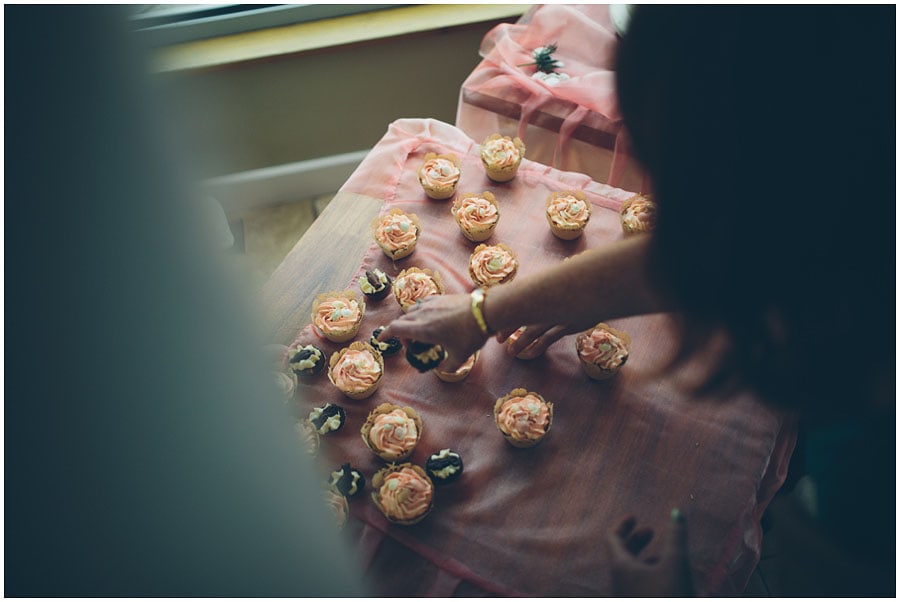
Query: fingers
638, 540
625, 540
625, 526
528, 336
404, 328
505, 334
536, 339
615, 541
541, 344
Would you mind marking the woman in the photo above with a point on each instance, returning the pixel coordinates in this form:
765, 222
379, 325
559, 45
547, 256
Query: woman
768, 134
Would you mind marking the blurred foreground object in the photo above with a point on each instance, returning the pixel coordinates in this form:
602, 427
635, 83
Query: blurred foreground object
154, 458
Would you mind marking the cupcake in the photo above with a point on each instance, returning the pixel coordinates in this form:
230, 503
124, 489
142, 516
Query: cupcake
347, 481
523, 417
403, 493
305, 361
528, 353
444, 466
461, 373
424, 356
375, 284
476, 215
603, 350
439, 175
356, 370
491, 265
392, 432
568, 213
387, 348
397, 233
638, 214
413, 284
285, 384
309, 438
327, 419
501, 157
337, 506
337, 316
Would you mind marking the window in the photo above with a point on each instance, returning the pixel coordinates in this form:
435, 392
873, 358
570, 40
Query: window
164, 24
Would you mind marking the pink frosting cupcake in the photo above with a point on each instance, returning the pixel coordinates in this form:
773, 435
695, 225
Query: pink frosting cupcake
638, 214
476, 215
523, 417
337, 315
490, 265
413, 284
568, 213
403, 493
602, 350
397, 233
356, 370
337, 506
439, 175
392, 432
501, 157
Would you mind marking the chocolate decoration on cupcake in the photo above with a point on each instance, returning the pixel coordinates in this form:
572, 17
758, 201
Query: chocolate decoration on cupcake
424, 356
347, 481
306, 361
328, 418
375, 284
387, 348
444, 466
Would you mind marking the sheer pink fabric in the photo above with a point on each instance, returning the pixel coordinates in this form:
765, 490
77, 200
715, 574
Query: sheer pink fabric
532, 521
574, 125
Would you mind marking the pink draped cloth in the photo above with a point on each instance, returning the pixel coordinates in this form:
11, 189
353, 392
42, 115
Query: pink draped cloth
533, 521
573, 125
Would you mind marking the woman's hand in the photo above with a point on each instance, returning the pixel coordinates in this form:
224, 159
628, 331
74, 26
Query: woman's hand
540, 335
444, 320
666, 575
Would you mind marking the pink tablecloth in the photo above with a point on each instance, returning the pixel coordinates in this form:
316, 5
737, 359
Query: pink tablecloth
573, 125
532, 521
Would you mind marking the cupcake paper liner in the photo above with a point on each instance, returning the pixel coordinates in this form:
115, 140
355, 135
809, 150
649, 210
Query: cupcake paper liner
356, 346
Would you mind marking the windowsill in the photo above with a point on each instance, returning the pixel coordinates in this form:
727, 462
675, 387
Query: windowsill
326, 33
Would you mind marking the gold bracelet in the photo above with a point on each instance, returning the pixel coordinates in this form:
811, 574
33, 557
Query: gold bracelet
478, 296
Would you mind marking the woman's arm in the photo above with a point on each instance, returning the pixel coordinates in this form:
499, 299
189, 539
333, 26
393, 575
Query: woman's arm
596, 285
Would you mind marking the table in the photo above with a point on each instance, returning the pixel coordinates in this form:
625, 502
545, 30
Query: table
527, 521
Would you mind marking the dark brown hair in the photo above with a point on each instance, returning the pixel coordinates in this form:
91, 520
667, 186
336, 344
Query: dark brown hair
768, 134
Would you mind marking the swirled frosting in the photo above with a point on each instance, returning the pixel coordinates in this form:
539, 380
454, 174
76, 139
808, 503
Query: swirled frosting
337, 505
394, 433
499, 152
285, 384
492, 265
640, 215
604, 349
568, 211
476, 213
413, 286
405, 494
356, 371
439, 173
524, 418
396, 231
336, 315
308, 437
